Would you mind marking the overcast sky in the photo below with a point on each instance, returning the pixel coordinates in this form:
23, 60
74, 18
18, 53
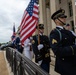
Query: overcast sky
11, 11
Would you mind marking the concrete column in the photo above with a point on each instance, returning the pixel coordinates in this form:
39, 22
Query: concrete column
52, 10
75, 14
48, 20
73, 5
40, 11
42, 14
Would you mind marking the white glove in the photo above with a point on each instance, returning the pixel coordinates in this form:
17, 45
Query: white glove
19, 43
31, 38
29, 44
40, 46
39, 62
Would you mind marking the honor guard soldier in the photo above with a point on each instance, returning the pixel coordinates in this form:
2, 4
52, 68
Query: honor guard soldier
42, 50
63, 45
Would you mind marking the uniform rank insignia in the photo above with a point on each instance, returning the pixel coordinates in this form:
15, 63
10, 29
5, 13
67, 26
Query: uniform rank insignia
54, 41
33, 41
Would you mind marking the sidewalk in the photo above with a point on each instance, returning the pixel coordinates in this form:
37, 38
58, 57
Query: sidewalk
3, 65
52, 72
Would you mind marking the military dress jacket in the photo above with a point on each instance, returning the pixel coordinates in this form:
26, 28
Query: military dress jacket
65, 50
44, 53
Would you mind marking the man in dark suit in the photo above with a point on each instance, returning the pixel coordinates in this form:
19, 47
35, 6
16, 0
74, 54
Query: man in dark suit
42, 49
63, 45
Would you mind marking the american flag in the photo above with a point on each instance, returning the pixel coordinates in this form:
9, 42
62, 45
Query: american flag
29, 20
14, 34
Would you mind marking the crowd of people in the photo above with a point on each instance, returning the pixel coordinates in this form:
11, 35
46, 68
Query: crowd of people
62, 42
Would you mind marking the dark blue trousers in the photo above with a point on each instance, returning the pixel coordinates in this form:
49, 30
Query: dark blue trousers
45, 66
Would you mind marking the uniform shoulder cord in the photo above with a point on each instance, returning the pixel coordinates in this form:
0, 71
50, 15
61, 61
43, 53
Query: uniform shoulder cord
59, 34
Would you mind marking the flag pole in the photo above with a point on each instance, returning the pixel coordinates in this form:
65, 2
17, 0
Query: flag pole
38, 36
14, 23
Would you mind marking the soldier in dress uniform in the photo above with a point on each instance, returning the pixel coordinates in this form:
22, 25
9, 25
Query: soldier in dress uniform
41, 50
63, 45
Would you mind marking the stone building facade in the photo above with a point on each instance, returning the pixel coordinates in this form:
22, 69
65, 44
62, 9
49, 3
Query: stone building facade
75, 15
47, 7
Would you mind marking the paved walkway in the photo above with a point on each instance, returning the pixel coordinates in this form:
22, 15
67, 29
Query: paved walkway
52, 72
3, 66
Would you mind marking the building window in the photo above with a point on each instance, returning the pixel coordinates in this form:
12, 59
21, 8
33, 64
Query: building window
75, 9
72, 24
75, 19
59, 1
70, 9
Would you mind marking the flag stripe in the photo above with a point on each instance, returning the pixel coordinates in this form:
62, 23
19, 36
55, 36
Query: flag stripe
23, 17
35, 9
26, 23
29, 20
28, 35
23, 21
29, 32
28, 27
